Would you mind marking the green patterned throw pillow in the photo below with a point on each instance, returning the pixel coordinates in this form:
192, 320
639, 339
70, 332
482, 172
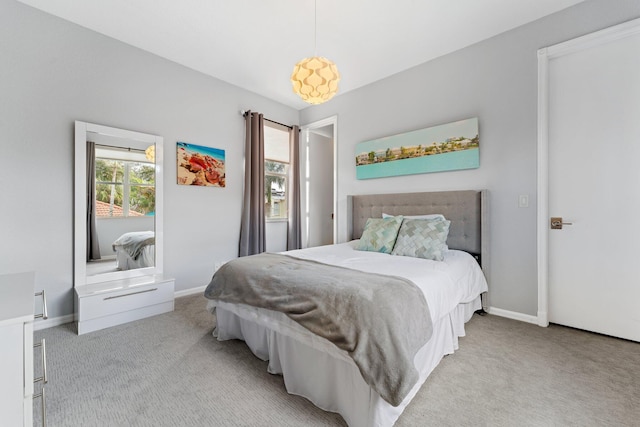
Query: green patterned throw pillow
380, 234
422, 238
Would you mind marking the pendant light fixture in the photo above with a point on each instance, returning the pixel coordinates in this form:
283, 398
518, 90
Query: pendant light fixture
150, 153
315, 79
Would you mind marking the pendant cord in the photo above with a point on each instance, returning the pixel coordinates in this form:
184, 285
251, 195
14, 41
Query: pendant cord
315, 28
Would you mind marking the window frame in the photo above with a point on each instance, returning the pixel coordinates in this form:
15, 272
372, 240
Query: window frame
126, 186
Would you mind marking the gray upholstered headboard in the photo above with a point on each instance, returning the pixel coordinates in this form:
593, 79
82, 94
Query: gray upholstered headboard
465, 209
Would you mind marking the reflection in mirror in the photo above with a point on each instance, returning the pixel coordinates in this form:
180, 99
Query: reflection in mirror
122, 233
118, 205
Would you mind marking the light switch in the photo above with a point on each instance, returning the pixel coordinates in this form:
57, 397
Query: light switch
523, 201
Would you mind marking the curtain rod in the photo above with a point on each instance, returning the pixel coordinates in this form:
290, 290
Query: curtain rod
244, 113
118, 147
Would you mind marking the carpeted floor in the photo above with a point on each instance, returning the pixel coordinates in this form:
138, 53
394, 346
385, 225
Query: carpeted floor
169, 371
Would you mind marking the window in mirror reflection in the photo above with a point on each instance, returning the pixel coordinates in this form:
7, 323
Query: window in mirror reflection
276, 175
124, 187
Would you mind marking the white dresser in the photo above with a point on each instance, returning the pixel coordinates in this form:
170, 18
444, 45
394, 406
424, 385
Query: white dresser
17, 356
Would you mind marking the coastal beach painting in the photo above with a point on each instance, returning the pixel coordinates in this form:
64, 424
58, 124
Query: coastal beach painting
199, 165
453, 146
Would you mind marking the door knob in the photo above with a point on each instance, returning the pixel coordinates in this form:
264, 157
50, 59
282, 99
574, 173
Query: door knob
556, 223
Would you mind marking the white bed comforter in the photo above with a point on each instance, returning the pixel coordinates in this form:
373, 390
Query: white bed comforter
455, 280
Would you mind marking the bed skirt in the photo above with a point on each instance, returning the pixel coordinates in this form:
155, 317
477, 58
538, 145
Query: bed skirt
316, 369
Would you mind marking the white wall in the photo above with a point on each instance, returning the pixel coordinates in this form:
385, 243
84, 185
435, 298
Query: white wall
54, 72
320, 190
275, 235
496, 81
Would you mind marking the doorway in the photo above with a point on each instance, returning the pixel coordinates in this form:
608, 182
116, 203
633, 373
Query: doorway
589, 204
318, 182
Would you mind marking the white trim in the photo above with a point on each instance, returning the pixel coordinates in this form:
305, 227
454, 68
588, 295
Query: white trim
80, 186
52, 321
513, 315
595, 39
543, 187
68, 318
276, 219
588, 41
79, 203
333, 120
190, 291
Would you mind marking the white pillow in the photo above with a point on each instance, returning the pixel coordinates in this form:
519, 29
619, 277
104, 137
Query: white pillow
428, 216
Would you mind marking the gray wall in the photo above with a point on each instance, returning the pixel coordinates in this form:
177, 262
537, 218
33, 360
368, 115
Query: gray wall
320, 190
496, 81
54, 72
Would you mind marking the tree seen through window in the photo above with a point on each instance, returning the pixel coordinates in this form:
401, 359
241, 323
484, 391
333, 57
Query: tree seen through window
124, 188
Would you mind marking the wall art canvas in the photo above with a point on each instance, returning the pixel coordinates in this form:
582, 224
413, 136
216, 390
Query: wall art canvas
199, 165
453, 146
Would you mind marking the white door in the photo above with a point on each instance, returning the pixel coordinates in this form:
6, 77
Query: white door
594, 184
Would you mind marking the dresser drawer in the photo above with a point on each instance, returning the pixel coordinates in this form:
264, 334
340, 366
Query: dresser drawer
16, 353
106, 304
125, 299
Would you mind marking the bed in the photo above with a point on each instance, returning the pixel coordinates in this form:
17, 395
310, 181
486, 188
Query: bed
135, 249
325, 372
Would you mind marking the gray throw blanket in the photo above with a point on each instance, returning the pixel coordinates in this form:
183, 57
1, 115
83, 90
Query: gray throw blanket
381, 321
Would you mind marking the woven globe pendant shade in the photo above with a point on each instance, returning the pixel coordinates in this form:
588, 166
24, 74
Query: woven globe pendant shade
315, 79
150, 153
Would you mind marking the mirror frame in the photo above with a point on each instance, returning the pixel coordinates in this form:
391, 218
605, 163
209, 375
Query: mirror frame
80, 208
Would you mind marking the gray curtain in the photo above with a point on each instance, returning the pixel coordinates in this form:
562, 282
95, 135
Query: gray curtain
93, 247
294, 239
252, 222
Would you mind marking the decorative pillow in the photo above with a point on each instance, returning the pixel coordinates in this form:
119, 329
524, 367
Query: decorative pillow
422, 238
380, 234
426, 216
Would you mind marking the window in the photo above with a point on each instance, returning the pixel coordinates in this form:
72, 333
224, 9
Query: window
124, 187
276, 171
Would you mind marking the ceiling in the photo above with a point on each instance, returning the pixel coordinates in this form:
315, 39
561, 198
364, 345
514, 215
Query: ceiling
254, 44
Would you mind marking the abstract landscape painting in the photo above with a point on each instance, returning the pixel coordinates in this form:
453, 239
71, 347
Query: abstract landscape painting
198, 165
453, 146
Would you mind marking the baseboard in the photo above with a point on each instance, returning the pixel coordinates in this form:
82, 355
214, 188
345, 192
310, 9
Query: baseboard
513, 315
56, 321
52, 321
191, 291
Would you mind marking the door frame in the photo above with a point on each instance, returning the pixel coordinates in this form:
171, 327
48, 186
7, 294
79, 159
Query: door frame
597, 38
332, 120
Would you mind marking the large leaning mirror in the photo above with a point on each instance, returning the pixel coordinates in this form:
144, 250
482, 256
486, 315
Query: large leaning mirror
118, 204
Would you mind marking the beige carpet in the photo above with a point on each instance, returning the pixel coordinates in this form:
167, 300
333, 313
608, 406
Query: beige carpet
169, 371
